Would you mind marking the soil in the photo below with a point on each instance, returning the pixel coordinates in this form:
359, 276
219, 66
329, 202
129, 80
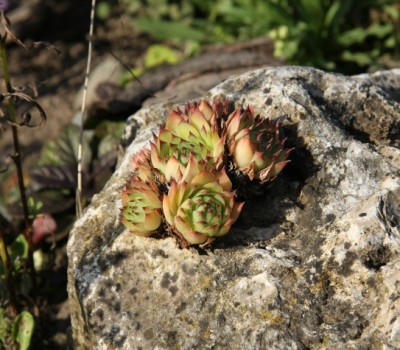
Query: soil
57, 78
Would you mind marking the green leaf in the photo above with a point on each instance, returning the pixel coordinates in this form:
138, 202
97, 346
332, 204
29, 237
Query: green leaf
361, 58
159, 54
22, 329
168, 30
103, 10
34, 207
352, 36
393, 11
359, 35
264, 12
380, 30
390, 43
332, 14
337, 11
290, 48
17, 252
19, 248
56, 200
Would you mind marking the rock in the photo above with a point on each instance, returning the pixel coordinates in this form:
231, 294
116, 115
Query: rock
312, 264
190, 78
104, 80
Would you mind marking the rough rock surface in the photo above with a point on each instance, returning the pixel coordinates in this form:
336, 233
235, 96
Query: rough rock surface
313, 264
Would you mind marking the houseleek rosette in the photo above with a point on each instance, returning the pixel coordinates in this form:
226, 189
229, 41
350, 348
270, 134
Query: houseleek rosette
182, 177
194, 132
201, 208
255, 146
141, 199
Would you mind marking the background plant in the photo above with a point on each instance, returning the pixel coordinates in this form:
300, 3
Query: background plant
345, 36
17, 259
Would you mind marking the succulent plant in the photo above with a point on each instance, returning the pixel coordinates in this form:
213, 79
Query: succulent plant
203, 207
141, 199
255, 146
182, 177
194, 132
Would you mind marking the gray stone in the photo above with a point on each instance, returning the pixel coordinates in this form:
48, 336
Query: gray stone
105, 76
312, 264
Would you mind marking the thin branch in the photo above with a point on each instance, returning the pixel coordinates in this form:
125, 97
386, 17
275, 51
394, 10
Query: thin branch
85, 88
18, 160
8, 31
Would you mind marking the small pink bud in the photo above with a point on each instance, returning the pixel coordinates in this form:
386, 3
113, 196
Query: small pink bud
42, 226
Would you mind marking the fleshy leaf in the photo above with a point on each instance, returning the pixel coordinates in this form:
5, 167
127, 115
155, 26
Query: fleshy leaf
22, 329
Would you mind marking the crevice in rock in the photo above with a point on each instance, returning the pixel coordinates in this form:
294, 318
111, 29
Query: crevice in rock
377, 258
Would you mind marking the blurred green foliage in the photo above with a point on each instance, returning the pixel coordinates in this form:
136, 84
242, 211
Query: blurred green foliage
22, 329
18, 252
16, 333
348, 36
155, 55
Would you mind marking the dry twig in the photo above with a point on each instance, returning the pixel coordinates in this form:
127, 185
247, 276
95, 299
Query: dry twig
85, 87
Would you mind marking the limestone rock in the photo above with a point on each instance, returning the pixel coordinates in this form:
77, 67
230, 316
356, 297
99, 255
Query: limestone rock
312, 264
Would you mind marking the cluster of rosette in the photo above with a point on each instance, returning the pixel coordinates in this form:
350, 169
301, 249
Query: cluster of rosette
182, 181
